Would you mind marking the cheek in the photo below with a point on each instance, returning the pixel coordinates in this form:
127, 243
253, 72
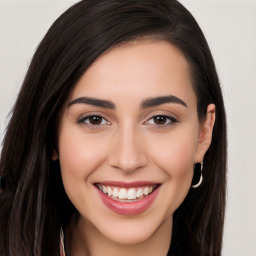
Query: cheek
174, 153
79, 154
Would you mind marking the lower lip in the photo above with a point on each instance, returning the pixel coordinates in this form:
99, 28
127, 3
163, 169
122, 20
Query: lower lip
130, 208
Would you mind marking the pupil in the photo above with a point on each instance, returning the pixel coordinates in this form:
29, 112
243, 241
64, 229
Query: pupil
95, 119
160, 119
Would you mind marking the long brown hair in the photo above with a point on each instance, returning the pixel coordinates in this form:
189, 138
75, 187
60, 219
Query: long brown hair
34, 204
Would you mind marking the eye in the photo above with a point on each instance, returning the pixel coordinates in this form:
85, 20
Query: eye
94, 120
161, 120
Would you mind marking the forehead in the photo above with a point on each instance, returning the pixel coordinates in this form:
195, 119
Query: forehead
143, 68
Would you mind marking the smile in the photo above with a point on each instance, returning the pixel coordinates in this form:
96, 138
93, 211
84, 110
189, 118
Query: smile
128, 198
126, 194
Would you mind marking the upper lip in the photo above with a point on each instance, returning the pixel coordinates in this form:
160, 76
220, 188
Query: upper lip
127, 184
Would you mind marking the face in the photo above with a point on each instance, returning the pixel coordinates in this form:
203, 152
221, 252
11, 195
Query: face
128, 138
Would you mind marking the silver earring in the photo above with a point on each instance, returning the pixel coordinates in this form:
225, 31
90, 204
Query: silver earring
198, 172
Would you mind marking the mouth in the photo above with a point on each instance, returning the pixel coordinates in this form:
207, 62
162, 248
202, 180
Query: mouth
128, 198
123, 194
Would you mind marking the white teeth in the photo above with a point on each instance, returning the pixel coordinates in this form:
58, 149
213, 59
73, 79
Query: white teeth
115, 192
128, 194
132, 193
123, 193
139, 192
146, 191
109, 191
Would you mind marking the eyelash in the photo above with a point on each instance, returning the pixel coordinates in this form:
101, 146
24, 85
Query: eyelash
172, 121
93, 126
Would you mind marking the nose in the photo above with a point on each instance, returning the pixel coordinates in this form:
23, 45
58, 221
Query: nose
128, 151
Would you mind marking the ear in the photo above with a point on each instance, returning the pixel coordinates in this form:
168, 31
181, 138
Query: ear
55, 155
205, 134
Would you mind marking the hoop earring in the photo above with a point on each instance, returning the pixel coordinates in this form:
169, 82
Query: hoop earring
198, 172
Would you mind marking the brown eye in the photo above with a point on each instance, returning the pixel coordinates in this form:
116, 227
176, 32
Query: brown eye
160, 120
95, 120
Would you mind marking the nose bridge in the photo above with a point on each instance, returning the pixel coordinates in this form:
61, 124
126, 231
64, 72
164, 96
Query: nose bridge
128, 153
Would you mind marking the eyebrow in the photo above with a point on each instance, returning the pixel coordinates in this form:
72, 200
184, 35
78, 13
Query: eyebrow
151, 102
93, 101
147, 103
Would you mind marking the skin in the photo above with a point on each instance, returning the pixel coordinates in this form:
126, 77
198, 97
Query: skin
129, 145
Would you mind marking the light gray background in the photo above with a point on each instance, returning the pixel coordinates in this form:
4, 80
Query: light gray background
230, 28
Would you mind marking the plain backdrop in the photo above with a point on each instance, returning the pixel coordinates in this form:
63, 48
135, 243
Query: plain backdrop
230, 28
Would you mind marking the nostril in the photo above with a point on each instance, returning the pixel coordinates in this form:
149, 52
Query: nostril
129, 166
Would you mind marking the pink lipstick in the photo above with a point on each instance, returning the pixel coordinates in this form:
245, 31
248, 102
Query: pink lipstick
128, 198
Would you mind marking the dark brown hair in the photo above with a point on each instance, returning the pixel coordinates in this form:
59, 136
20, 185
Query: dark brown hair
34, 204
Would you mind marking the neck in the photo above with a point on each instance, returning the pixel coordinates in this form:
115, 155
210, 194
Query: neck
85, 239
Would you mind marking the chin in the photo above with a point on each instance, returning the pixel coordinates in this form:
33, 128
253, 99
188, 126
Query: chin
133, 230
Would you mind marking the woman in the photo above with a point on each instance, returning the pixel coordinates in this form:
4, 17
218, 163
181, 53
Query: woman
117, 141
